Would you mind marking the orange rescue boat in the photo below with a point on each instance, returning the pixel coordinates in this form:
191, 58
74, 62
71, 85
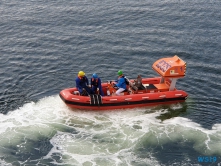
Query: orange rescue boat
140, 92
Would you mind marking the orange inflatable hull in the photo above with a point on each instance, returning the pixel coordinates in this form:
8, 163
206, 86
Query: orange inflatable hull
154, 93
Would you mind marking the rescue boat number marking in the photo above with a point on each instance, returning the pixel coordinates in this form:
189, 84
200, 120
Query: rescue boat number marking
163, 66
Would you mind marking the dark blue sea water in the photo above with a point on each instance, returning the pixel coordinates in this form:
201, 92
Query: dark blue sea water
43, 45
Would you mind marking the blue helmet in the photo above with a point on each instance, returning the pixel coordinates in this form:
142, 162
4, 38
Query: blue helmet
94, 75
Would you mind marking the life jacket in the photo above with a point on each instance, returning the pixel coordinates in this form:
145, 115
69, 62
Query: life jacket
82, 80
94, 82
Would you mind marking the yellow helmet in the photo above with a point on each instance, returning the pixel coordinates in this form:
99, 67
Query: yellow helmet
81, 73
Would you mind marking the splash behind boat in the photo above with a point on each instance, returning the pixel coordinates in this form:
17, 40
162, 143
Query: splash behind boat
150, 91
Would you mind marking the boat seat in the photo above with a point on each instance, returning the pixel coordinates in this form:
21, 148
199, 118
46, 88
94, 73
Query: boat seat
141, 87
162, 87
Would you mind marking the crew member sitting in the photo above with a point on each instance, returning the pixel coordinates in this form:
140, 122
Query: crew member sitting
138, 83
96, 83
120, 83
82, 84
